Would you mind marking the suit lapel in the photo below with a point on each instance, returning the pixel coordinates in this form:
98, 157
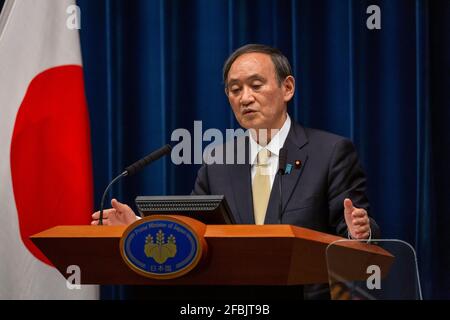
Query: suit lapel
294, 143
241, 182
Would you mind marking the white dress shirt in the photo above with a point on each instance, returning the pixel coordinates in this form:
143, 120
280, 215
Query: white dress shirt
274, 146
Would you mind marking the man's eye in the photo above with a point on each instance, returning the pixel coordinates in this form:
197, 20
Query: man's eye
235, 90
256, 86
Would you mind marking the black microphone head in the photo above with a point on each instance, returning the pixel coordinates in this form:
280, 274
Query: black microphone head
155, 155
282, 160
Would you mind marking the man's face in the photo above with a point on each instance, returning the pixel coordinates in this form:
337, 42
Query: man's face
257, 99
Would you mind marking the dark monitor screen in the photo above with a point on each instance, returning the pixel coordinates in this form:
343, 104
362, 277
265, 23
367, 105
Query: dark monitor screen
207, 209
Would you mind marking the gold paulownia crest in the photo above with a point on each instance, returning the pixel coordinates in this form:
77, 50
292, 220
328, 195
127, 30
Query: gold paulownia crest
160, 250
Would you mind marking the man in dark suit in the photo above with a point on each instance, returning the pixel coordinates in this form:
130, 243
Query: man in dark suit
326, 188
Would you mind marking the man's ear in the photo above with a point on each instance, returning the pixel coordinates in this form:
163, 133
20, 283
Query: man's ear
289, 88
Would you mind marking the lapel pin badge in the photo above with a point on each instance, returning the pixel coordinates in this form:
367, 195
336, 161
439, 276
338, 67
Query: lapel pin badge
298, 164
288, 169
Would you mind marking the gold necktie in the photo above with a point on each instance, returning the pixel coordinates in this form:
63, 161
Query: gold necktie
261, 186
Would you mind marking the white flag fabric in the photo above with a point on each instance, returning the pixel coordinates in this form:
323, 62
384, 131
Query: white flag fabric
45, 159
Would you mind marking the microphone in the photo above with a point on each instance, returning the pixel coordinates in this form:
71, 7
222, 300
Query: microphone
140, 164
133, 169
282, 159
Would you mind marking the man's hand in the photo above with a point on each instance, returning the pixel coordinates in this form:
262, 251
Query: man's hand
357, 221
119, 214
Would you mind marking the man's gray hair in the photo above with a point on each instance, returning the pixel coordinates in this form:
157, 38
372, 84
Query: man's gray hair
280, 62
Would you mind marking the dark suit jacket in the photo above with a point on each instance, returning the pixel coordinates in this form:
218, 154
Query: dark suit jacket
313, 194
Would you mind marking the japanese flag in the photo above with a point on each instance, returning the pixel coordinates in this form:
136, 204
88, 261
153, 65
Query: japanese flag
45, 160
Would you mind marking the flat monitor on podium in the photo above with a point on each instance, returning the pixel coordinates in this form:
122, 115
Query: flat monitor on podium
209, 209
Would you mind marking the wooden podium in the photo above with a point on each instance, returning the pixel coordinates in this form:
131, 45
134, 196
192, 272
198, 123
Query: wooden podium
236, 255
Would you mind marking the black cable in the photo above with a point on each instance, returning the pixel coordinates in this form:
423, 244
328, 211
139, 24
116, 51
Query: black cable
123, 174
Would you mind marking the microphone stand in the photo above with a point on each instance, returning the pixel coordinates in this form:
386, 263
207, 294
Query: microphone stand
100, 219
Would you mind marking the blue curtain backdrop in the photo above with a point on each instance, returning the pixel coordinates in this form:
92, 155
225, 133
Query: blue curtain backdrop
152, 66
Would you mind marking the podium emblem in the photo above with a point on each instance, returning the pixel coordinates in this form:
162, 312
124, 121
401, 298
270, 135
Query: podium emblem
161, 247
160, 250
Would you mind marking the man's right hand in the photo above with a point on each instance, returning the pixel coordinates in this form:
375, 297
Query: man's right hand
119, 214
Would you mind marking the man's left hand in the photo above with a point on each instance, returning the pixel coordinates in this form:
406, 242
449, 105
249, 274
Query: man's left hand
357, 221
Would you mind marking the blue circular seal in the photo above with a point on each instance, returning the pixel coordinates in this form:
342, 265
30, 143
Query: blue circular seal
161, 248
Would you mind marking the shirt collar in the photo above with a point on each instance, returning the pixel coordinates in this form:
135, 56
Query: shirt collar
274, 145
